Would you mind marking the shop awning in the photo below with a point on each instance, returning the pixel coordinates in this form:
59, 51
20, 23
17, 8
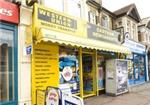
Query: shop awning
61, 38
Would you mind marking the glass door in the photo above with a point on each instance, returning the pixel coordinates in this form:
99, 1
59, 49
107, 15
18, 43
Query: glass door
139, 69
88, 74
8, 78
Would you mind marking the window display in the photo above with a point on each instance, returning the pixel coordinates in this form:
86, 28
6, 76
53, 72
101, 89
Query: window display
69, 68
136, 69
101, 72
87, 72
139, 69
6, 66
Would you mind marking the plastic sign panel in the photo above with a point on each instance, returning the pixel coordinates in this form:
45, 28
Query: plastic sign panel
45, 71
9, 12
67, 73
57, 21
52, 97
103, 34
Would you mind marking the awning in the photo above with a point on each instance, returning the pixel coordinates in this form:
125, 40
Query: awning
61, 38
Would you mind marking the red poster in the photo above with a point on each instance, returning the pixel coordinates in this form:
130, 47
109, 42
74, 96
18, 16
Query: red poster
9, 12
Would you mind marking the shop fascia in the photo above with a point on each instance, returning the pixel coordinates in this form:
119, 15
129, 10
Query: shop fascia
135, 46
9, 12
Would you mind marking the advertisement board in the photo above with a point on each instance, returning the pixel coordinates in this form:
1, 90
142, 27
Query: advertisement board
45, 71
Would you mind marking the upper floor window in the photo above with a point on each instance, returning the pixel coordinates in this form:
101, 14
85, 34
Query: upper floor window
120, 23
105, 21
55, 4
74, 8
92, 16
128, 23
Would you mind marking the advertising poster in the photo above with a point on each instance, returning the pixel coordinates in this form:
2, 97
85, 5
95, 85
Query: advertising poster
52, 97
69, 68
45, 71
122, 76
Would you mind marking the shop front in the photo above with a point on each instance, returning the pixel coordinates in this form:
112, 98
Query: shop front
8, 53
137, 67
66, 52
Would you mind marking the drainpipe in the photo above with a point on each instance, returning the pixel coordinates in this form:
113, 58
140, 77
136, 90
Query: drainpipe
146, 62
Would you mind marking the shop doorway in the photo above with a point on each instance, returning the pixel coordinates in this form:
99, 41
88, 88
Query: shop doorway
88, 74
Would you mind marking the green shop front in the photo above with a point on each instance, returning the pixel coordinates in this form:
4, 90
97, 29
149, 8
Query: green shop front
8, 53
70, 51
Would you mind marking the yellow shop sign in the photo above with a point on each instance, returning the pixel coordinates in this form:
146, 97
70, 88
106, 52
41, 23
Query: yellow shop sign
57, 21
45, 67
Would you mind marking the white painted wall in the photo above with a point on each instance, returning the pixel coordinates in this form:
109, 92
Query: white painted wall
24, 61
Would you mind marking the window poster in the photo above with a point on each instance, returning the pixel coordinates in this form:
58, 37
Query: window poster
122, 77
69, 68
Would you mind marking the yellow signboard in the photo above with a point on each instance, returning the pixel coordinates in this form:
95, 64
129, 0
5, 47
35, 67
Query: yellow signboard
45, 71
57, 21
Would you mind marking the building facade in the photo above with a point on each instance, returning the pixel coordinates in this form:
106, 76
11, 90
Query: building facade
127, 19
61, 43
144, 36
9, 19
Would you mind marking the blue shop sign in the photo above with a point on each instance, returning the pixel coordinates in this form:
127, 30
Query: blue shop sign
134, 46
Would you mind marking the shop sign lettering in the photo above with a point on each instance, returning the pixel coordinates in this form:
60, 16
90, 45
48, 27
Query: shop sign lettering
6, 12
57, 21
9, 12
99, 33
45, 71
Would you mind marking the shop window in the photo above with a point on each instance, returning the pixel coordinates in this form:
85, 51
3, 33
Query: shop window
139, 70
101, 72
6, 66
69, 68
105, 21
74, 8
92, 16
55, 4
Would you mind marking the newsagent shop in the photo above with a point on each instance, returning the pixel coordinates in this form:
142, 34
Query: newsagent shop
8, 53
137, 68
64, 52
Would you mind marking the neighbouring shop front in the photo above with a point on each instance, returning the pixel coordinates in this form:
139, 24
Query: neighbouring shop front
137, 66
68, 52
8, 53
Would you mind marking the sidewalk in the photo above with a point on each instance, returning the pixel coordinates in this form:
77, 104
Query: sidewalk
138, 95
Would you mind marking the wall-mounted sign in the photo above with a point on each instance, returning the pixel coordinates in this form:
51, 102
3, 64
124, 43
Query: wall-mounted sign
31, 2
134, 46
45, 71
9, 12
99, 33
58, 21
